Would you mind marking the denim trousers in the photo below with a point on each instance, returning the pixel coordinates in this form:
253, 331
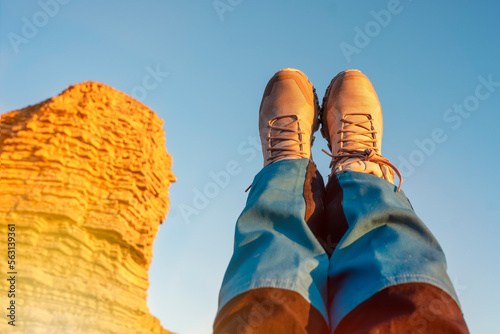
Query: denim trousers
353, 255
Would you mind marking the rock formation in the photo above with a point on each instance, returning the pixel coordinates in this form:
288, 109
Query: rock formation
84, 178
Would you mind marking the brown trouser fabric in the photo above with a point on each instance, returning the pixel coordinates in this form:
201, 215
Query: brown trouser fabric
269, 310
406, 308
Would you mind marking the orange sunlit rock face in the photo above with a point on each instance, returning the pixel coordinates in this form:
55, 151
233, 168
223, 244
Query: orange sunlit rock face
84, 180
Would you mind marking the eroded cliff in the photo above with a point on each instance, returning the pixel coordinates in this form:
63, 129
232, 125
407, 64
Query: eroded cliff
84, 179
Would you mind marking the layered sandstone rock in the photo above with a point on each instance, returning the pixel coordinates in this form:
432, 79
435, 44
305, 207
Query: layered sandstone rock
84, 178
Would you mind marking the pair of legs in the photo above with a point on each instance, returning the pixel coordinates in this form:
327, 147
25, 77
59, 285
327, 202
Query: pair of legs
349, 258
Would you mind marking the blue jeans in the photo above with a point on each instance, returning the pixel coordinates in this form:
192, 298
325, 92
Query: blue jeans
279, 244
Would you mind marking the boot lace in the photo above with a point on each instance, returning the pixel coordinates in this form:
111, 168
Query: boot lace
289, 133
360, 149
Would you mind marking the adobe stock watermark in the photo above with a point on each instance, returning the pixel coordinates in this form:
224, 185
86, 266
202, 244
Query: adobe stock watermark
223, 6
32, 25
150, 82
454, 117
218, 181
373, 28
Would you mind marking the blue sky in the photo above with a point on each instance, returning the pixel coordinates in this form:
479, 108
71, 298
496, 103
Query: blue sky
426, 61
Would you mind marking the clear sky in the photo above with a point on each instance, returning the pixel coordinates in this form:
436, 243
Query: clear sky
434, 65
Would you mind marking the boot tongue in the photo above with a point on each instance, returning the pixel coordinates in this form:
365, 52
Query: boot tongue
354, 139
357, 142
284, 139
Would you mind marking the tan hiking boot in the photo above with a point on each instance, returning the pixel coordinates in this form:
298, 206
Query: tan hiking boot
351, 120
288, 116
